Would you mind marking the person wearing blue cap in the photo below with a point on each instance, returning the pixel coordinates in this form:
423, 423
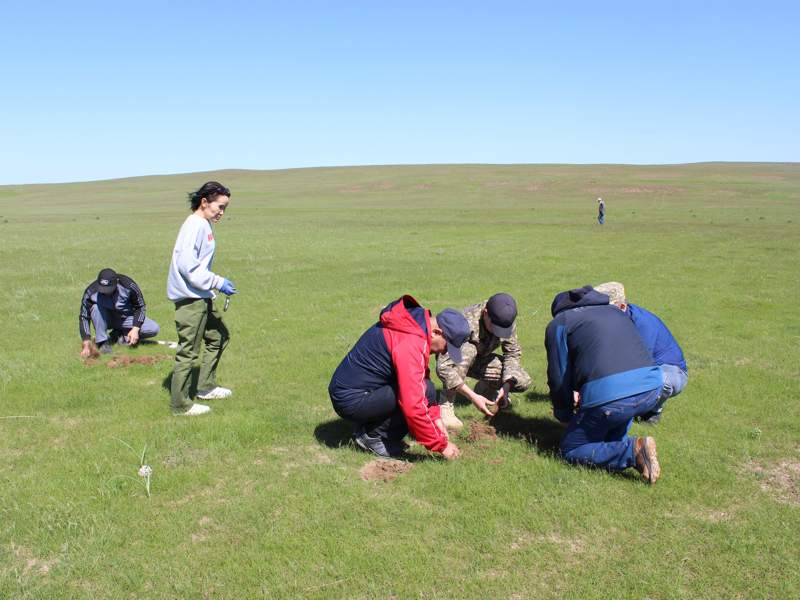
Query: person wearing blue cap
383, 385
492, 324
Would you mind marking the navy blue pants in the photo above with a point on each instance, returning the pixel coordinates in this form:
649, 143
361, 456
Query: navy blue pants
378, 412
598, 435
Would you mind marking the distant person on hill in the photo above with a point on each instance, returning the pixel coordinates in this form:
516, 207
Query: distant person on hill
201, 329
492, 324
113, 302
383, 385
658, 340
600, 376
601, 211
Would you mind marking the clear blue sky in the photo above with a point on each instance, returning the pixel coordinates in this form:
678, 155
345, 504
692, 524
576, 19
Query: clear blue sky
95, 90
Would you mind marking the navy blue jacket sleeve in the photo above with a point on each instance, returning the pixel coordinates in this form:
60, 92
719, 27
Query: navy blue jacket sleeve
558, 371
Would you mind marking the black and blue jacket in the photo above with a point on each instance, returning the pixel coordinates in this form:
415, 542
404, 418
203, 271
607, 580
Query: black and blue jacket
595, 349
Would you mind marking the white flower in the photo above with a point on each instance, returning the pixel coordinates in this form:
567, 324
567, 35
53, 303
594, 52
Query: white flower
145, 471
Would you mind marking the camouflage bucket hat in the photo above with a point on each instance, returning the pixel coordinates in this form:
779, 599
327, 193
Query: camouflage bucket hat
614, 290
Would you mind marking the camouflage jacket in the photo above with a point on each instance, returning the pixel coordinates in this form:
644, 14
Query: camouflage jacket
481, 342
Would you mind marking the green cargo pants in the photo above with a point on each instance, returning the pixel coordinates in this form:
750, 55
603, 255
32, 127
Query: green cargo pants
198, 323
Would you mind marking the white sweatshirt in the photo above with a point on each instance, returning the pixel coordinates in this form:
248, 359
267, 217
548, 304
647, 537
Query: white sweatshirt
190, 274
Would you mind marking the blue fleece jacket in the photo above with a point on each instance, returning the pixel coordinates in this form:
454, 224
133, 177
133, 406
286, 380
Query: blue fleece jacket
657, 338
594, 348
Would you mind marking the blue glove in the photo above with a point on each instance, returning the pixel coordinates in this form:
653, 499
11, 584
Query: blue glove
227, 287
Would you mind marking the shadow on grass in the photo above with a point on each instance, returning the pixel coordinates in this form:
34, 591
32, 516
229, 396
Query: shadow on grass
338, 433
334, 434
534, 396
543, 434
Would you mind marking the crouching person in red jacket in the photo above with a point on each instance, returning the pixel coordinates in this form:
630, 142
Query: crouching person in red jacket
383, 385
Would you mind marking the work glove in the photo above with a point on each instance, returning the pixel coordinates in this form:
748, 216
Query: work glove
227, 287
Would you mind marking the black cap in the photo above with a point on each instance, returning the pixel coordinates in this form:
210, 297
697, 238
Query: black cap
107, 281
502, 311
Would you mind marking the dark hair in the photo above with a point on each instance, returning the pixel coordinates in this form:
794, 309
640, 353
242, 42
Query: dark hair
209, 191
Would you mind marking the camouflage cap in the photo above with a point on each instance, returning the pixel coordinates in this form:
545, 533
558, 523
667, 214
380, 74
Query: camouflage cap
614, 290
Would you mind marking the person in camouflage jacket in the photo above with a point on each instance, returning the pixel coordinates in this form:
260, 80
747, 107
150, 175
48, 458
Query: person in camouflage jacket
492, 325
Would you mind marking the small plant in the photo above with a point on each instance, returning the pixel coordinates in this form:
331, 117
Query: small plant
754, 433
145, 471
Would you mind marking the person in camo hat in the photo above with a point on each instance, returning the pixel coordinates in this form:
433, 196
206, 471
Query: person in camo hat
383, 385
658, 339
492, 324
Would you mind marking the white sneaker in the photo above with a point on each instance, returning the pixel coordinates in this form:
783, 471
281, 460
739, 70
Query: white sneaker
216, 394
449, 418
196, 409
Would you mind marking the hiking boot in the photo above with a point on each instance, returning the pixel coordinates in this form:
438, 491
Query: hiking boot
216, 394
195, 410
449, 418
105, 348
370, 443
646, 459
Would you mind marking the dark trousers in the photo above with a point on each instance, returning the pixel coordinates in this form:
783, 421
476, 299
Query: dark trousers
378, 412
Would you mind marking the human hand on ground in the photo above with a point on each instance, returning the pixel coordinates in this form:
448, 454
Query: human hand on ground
86, 350
133, 336
451, 452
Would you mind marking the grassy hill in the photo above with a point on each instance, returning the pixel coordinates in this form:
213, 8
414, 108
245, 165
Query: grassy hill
264, 498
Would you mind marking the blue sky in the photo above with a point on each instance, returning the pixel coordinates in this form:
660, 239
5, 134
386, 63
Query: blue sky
96, 90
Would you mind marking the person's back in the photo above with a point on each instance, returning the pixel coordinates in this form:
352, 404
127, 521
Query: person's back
657, 337
600, 376
595, 349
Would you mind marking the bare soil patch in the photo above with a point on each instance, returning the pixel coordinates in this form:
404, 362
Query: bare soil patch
480, 432
384, 470
127, 361
781, 480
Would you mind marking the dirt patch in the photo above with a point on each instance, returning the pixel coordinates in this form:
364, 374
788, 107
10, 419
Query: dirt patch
480, 432
127, 361
780, 480
30, 564
384, 470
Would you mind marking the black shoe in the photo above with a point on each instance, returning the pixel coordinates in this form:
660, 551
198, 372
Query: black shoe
651, 418
370, 443
105, 348
395, 447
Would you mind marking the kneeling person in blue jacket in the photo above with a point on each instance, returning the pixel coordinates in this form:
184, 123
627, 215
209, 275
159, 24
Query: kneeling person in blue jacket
600, 376
658, 340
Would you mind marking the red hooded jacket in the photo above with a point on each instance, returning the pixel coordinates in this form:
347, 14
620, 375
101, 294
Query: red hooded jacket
410, 348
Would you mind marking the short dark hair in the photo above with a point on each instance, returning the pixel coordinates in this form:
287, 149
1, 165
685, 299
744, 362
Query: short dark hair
209, 191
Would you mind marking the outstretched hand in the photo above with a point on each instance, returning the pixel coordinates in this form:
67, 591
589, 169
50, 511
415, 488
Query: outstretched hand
227, 287
482, 403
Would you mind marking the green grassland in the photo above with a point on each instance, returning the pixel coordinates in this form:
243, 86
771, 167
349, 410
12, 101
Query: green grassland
263, 498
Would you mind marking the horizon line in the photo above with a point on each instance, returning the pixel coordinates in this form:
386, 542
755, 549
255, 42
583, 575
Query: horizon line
383, 165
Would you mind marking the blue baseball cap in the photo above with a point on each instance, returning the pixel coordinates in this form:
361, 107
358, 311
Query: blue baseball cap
456, 331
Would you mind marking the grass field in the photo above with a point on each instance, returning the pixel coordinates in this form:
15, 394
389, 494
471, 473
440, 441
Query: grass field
263, 498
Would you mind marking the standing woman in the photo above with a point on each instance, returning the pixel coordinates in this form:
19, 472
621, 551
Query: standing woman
189, 286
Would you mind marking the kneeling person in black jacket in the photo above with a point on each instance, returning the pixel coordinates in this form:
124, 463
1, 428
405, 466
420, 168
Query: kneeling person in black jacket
600, 376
